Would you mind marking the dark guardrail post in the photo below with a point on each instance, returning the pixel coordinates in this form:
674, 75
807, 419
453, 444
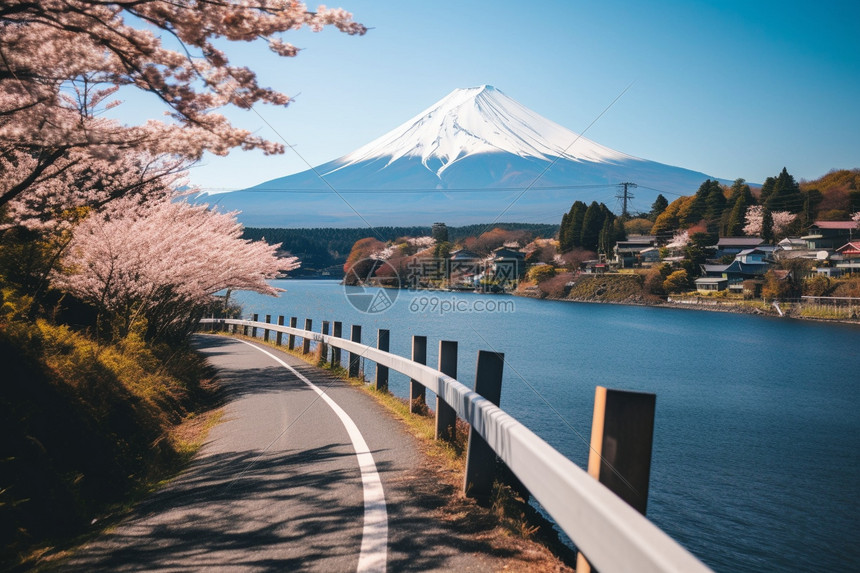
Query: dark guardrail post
480, 457
306, 341
266, 330
622, 432
291, 339
353, 357
446, 416
381, 378
255, 318
417, 392
279, 337
323, 345
337, 331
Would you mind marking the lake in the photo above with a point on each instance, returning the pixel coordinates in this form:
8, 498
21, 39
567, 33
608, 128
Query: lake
756, 459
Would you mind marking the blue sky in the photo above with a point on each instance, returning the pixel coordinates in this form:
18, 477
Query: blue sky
729, 88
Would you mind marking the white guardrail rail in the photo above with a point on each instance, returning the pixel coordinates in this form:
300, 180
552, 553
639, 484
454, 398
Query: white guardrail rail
611, 534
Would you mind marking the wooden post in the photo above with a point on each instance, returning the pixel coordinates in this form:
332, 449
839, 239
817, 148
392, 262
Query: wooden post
291, 339
306, 341
323, 345
622, 433
266, 330
446, 416
480, 457
254, 328
337, 331
381, 382
353, 357
417, 392
279, 337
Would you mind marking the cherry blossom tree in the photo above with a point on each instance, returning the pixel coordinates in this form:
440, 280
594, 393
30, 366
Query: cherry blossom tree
162, 260
755, 219
62, 60
679, 240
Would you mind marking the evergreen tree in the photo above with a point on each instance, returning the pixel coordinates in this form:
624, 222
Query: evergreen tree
766, 189
786, 195
737, 219
605, 242
657, 207
564, 243
620, 231
811, 199
695, 254
715, 204
766, 225
611, 232
439, 232
592, 223
737, 188
576, 217
694, 211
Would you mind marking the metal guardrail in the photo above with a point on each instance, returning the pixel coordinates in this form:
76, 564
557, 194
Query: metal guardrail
613, 535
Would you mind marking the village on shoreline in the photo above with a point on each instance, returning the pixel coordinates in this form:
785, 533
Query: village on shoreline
809, 277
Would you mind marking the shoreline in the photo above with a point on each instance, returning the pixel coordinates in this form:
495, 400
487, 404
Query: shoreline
727, 308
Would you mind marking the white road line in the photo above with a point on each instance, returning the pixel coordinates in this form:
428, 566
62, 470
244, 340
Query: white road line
374, 537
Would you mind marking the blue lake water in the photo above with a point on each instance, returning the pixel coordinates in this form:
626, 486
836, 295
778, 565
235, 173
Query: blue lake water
756, 459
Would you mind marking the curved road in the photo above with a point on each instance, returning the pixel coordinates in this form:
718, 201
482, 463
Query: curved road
304, 473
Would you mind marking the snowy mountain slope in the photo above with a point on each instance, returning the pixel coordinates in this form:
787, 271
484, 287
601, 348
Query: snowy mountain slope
471, 156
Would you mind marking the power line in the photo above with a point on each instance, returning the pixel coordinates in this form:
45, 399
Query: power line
355, 190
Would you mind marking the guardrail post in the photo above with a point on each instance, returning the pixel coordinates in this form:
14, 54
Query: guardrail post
254, 328
266, 330
480, 457
417, 392
279, 336
622, 432
306, 341
337, 331
382, 339
323, 345
353, 357
291, 339
446, 416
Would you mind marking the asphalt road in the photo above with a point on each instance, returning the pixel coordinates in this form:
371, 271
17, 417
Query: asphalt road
278, 485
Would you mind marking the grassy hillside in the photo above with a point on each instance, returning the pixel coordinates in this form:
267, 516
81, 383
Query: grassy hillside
85, 428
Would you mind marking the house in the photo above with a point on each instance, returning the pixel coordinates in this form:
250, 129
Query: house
594, 267
850, 257
748, 264
464, 263
507, 264
734, 245
627, 254
793, 248
649, 256
830, 234
711, 284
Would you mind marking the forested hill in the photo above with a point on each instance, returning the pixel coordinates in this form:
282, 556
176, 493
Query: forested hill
325, 250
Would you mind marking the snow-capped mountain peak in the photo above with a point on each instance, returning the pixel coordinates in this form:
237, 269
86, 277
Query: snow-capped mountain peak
479, 120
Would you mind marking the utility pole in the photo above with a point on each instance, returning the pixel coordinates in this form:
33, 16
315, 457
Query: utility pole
624, 195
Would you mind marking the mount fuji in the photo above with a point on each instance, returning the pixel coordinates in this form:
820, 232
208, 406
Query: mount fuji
476, 156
